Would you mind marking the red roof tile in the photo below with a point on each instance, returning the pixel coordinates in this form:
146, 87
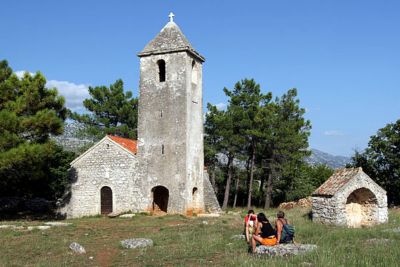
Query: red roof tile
129, 144
336, 181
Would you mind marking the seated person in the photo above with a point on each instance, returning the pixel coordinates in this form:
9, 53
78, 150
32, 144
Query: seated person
283, 229
265, 233
249, 224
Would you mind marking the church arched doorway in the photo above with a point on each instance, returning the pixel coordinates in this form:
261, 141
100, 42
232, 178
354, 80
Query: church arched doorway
160, 198
106, 200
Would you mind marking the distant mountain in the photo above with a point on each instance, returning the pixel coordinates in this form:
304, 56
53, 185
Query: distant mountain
319, 157
70, 140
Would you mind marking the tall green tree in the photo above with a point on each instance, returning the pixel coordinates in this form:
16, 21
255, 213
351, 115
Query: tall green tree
30, 164
285, 145
111, 111
381, 160
245, 102
221, 137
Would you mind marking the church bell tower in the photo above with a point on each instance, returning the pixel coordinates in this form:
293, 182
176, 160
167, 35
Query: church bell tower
170, 130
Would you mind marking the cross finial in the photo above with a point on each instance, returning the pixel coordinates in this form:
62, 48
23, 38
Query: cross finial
171, 17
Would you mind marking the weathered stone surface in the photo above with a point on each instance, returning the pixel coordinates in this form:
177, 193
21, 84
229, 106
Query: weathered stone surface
168, 169
137, 243
304, 203
128, 215
39, 227
209, 215
77, 248
350, 198
285, 249
14, 227
57, 223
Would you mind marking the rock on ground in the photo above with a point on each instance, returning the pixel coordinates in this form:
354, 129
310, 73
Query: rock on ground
136, 243
129, 215
77, 248
285, 249
40, 227
304, 203
57, 223
14, 227
209, 215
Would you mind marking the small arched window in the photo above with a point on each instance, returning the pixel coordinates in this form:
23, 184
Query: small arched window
161, 70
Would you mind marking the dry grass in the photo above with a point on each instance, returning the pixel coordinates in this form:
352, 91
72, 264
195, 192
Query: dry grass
181, 241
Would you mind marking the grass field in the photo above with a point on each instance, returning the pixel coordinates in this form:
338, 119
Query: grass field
182, 241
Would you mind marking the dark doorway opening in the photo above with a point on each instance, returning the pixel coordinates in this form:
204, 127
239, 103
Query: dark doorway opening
106, 200
160, 198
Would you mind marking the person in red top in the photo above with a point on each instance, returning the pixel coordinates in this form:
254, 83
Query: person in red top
250, 222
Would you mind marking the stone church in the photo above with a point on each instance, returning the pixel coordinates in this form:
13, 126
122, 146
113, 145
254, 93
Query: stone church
164, 169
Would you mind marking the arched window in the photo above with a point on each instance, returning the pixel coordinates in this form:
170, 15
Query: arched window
161, 70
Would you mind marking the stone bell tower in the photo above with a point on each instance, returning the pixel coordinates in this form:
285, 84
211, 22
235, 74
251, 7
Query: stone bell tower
170, 130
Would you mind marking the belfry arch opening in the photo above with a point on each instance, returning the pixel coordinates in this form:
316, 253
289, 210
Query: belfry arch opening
106, 199
161, 70
361, 208
160, 198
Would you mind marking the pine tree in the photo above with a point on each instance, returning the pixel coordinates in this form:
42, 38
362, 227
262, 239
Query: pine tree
111, 111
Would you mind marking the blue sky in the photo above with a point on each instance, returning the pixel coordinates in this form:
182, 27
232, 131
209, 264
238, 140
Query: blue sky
342, 56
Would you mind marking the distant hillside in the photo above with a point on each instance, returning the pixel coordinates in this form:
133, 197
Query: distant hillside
319, 157
71, 141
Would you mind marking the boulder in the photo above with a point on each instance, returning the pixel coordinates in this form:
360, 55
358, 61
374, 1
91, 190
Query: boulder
77, 248
14, 227
128, 215
285, 249
39, 227
57, 223
209, 215
136, 243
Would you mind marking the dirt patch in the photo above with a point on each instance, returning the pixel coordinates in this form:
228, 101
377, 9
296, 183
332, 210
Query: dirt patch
105, 256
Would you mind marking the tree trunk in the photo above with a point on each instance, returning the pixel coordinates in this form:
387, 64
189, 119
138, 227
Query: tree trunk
253, 155
212, 180
228, 182
268, 195
236, 191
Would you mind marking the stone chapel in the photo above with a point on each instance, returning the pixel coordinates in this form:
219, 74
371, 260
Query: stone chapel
164, 169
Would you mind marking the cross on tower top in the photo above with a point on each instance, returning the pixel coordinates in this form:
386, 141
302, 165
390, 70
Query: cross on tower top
171, 17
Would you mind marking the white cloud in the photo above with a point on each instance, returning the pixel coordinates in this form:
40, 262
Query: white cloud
221, 106
333, 133
21, 73
74, 93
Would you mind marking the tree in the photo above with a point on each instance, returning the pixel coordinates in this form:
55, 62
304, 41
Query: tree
30, 164
381, 160
220, 137
245, 103
285, 143
111, 111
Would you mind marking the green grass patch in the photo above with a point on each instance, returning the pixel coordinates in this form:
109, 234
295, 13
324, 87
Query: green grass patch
182, 241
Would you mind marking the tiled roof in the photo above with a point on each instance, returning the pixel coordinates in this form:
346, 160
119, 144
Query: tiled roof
340, 178
129, 144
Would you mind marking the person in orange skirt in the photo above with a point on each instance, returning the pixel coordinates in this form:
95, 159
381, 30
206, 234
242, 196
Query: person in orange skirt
265, 233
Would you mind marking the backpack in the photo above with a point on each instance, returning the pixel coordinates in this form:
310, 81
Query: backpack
287, 233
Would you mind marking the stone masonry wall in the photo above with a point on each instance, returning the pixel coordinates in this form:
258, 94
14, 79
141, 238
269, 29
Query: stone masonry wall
107, 164
332, 210
164, 132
